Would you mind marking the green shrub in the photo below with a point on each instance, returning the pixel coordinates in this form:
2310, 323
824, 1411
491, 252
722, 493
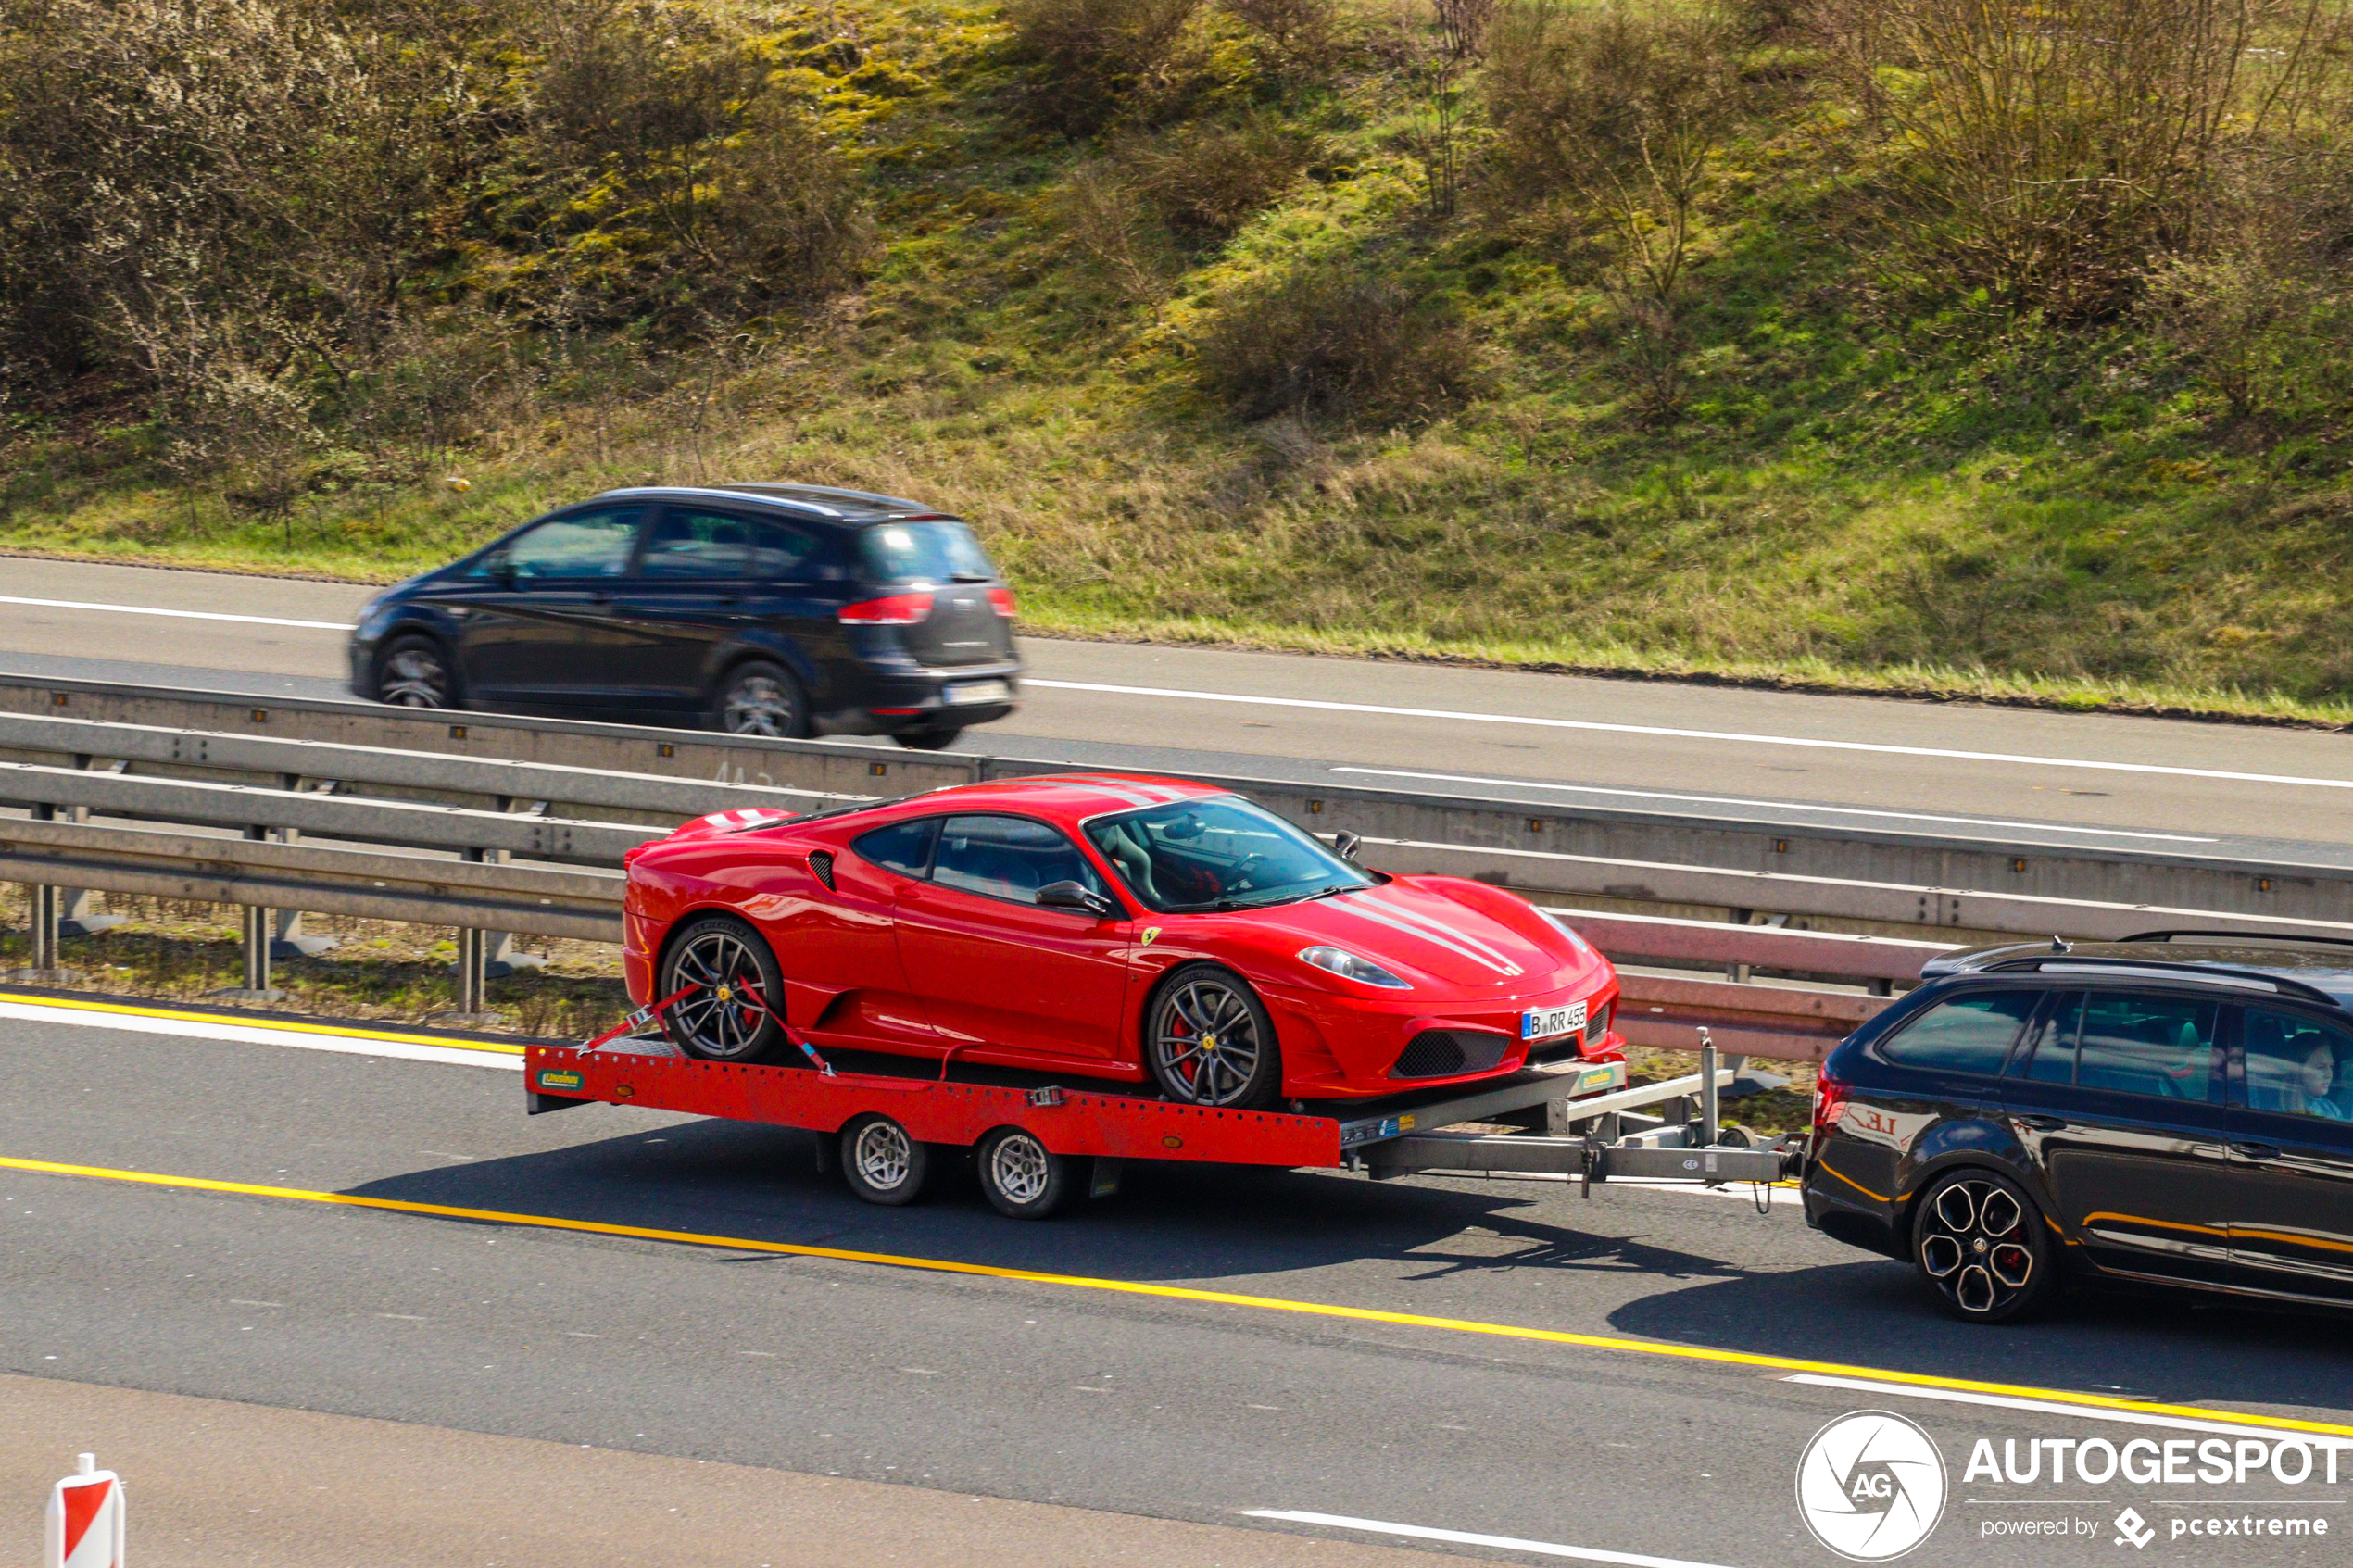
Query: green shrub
1088, 55
1326, 340
1205, 181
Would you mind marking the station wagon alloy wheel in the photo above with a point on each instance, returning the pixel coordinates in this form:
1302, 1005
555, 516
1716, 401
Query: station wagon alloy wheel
761, 699
1976, 1246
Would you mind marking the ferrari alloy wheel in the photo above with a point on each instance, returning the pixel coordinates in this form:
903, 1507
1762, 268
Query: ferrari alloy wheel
761, 698
1023, 1178
882, 1163
1979, 1247
726, 1017
1209, 1041
412, 673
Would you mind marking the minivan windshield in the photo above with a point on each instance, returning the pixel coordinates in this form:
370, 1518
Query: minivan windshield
934, 551
1218, 854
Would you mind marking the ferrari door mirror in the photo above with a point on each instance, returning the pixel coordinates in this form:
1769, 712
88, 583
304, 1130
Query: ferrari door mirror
1347, 844
1074, 896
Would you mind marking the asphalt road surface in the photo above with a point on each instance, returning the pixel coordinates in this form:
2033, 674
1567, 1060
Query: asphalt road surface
1660, 1410
2020, 775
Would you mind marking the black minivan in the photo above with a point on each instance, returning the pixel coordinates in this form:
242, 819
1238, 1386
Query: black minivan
2176, 1107
766, 609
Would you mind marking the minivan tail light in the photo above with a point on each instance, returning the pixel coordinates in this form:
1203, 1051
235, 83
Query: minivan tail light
895, 609
1002, 600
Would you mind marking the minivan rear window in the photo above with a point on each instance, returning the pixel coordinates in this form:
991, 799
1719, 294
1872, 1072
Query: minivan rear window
934, 551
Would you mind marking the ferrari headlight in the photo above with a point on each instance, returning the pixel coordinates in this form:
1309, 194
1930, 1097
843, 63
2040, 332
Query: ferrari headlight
1348, 966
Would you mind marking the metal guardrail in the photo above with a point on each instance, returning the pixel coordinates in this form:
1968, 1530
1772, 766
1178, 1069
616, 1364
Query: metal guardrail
493, 786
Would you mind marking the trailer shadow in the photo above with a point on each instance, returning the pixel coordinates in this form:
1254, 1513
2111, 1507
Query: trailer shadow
2151, 1345
1186, 1223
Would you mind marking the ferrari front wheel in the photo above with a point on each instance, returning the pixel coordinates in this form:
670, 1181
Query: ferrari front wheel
1209, 1041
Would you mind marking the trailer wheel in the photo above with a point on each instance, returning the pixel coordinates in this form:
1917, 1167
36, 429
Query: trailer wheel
882, 1163
1023, 1179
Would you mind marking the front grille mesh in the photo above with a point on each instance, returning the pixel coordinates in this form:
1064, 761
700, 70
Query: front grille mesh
1443, 1053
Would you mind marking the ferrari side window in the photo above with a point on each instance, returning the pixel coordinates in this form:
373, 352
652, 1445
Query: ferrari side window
1009, 858
904, 848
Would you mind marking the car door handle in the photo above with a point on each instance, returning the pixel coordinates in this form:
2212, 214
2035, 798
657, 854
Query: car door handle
2041, 1124
2256, 1150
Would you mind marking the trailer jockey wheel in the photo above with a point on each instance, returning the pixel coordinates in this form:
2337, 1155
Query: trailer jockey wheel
881, 1162
1023, 1179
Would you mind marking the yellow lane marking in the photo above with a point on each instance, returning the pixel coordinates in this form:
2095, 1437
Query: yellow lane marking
1187, 1293
182, 1015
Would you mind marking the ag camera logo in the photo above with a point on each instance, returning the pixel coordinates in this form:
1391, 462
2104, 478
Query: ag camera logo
1870, 1485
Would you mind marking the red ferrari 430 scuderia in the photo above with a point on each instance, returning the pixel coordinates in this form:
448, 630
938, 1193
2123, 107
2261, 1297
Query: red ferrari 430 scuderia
1127, 928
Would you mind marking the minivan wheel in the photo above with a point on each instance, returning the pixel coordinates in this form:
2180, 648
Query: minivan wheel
760, 699
413, 672
1979, 1245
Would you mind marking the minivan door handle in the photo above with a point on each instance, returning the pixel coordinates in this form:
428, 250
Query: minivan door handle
2256, 1150
2041, 1124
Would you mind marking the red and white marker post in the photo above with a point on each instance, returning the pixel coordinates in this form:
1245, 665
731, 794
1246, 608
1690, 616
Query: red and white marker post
85, 1520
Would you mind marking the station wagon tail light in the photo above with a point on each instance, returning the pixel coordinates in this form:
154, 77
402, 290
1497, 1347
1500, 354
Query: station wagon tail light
1002, 600
893, 609
1830, 1101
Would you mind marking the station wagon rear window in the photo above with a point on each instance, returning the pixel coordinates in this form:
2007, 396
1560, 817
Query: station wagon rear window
1971, 1034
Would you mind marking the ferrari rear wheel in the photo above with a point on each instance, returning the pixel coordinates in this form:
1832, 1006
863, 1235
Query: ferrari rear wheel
726, 1018
1209, 1041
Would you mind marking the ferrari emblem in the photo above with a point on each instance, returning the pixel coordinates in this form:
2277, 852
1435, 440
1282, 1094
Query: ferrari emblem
726, 994
1151, 934
1209, 1042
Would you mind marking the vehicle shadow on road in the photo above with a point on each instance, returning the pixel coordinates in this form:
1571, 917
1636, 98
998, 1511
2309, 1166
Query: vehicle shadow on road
1168, 1222
2135, 1344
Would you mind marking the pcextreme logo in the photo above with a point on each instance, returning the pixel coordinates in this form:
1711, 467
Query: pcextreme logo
1870, 1485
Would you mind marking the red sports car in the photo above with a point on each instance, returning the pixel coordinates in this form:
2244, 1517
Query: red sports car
1127, 928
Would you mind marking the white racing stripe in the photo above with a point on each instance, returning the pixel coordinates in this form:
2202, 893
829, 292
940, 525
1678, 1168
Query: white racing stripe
292, 1036
181, 614
1471, 1537
1778, 805
2035, 1407
1737, 737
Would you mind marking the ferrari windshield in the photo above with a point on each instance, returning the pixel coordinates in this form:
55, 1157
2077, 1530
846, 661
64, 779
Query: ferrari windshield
1195, 855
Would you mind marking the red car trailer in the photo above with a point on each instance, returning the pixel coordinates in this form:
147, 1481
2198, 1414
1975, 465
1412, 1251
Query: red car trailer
1039, 1144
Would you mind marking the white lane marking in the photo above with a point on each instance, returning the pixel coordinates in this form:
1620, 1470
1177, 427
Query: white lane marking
180, 614
240, 1034
2037, 1407
1738, 737
1471, 1537
1779, 805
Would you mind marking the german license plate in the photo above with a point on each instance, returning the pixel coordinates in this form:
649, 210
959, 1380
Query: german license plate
1545, 1023
979, 691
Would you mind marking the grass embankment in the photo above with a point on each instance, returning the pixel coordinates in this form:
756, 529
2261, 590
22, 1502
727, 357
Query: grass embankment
1860, 488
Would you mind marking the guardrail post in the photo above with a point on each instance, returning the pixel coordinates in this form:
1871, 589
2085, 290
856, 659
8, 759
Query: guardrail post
46, 963
499, 956
253, 943
288, 942
472, 952
75, 916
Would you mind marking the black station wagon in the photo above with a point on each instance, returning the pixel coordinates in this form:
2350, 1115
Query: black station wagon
766, 609
2176, 1109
